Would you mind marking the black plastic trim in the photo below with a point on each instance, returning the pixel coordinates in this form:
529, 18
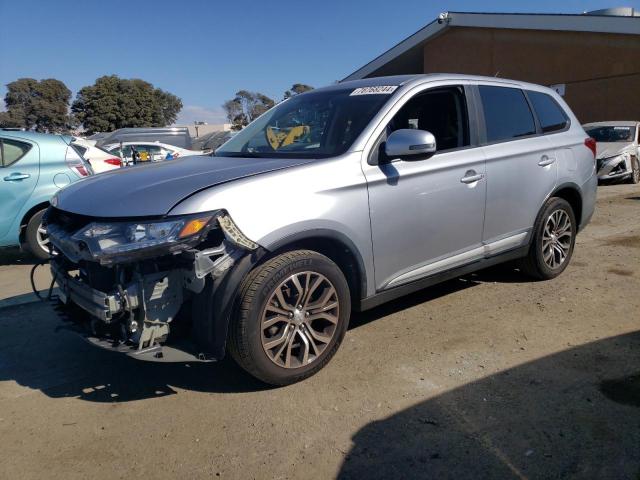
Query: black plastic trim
320, 233
397, 292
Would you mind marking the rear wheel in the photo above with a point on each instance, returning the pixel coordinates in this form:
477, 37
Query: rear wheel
292, 315
554, 237
635, 171
36, 238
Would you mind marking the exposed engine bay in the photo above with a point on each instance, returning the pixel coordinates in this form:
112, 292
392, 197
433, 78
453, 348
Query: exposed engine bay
137, 302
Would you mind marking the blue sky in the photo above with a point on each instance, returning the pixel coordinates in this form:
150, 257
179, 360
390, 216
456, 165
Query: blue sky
204, 51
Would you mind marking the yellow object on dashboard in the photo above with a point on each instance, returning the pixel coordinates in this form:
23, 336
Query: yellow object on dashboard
279, 138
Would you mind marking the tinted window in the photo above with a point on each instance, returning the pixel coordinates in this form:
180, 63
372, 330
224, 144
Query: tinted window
506, 113
442, 112
608, 134
79, 149
12, 151
550, 114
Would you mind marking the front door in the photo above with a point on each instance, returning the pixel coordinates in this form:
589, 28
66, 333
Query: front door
427, 215
19, 171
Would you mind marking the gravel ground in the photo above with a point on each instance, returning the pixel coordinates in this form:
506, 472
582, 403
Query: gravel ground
487, 376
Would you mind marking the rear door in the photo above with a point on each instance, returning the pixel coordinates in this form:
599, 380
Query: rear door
521, 167
19, 171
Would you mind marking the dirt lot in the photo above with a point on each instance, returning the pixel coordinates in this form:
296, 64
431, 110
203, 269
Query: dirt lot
488, 376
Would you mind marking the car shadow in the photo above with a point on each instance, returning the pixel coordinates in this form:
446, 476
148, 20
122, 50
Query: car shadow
14, 256
505, 273
573, 414
38, 352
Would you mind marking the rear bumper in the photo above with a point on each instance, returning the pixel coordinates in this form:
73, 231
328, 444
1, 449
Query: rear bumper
589, 191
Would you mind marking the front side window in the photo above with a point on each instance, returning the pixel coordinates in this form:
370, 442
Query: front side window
443, 112
550, 115
312, 125
12, 151
507, 114
606, 134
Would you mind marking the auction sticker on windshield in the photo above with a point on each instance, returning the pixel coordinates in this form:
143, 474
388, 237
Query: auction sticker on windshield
379, 90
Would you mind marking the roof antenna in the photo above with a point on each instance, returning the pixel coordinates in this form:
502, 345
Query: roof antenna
497, 73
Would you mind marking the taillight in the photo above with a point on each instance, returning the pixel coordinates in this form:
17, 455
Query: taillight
75, 162
114, 161
590, 143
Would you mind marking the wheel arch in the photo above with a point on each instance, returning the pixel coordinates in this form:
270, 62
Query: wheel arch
571, 193
337, 247
27, 216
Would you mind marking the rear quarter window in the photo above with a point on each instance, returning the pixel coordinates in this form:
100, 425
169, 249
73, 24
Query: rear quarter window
551, 116
507, 114
12, 150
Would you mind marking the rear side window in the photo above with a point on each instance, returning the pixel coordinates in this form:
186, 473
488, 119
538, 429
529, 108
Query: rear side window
551, 116
12, 150
79, 149
506, 113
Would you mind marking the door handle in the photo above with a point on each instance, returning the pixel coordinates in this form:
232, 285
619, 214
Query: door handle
14, 177
545, 161
471, 177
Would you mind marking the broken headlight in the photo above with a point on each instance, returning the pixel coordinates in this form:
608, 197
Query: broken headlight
106, 240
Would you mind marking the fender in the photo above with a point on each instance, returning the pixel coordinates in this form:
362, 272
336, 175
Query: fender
329, 234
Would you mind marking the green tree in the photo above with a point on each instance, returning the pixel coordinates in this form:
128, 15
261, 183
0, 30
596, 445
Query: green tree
37, 105
245, 107
297, 89
113, 102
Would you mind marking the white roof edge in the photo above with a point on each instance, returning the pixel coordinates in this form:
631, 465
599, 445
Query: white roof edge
526, 21
521, 21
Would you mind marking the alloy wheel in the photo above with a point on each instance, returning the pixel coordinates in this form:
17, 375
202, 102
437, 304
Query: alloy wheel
42, 238
556, 239
300, 319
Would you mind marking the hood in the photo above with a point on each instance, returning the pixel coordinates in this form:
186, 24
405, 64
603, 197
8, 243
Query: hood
152, 190
611, 149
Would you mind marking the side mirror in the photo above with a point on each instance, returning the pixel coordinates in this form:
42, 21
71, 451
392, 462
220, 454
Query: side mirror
410, 144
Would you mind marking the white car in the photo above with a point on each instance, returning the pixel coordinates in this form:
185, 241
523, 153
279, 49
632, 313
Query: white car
149, 151
618, 150
100, 159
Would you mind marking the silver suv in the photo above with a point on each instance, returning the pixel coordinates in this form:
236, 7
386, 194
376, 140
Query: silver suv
335, 200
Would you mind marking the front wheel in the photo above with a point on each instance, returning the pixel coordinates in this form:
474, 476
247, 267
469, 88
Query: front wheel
292, 315
36, 237
554, 236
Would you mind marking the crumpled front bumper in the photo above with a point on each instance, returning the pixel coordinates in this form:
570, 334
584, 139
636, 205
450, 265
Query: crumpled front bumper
613, 168
96, 311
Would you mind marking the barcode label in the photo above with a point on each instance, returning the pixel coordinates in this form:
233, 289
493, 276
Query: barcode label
380, 90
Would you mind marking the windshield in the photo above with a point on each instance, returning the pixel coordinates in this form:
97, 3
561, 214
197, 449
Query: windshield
311, 125
612, 134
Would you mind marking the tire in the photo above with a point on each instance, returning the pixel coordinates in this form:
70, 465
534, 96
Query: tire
32, 237
538, 264
265, 316
635, 171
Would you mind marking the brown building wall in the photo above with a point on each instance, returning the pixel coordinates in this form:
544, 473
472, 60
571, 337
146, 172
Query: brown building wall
601, 71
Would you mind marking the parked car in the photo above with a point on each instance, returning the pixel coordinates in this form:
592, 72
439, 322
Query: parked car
33, 166
100, 159
177, 136
618, 150
149, 152
337, 199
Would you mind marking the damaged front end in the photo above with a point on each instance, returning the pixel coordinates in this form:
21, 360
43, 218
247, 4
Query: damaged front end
129, 285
